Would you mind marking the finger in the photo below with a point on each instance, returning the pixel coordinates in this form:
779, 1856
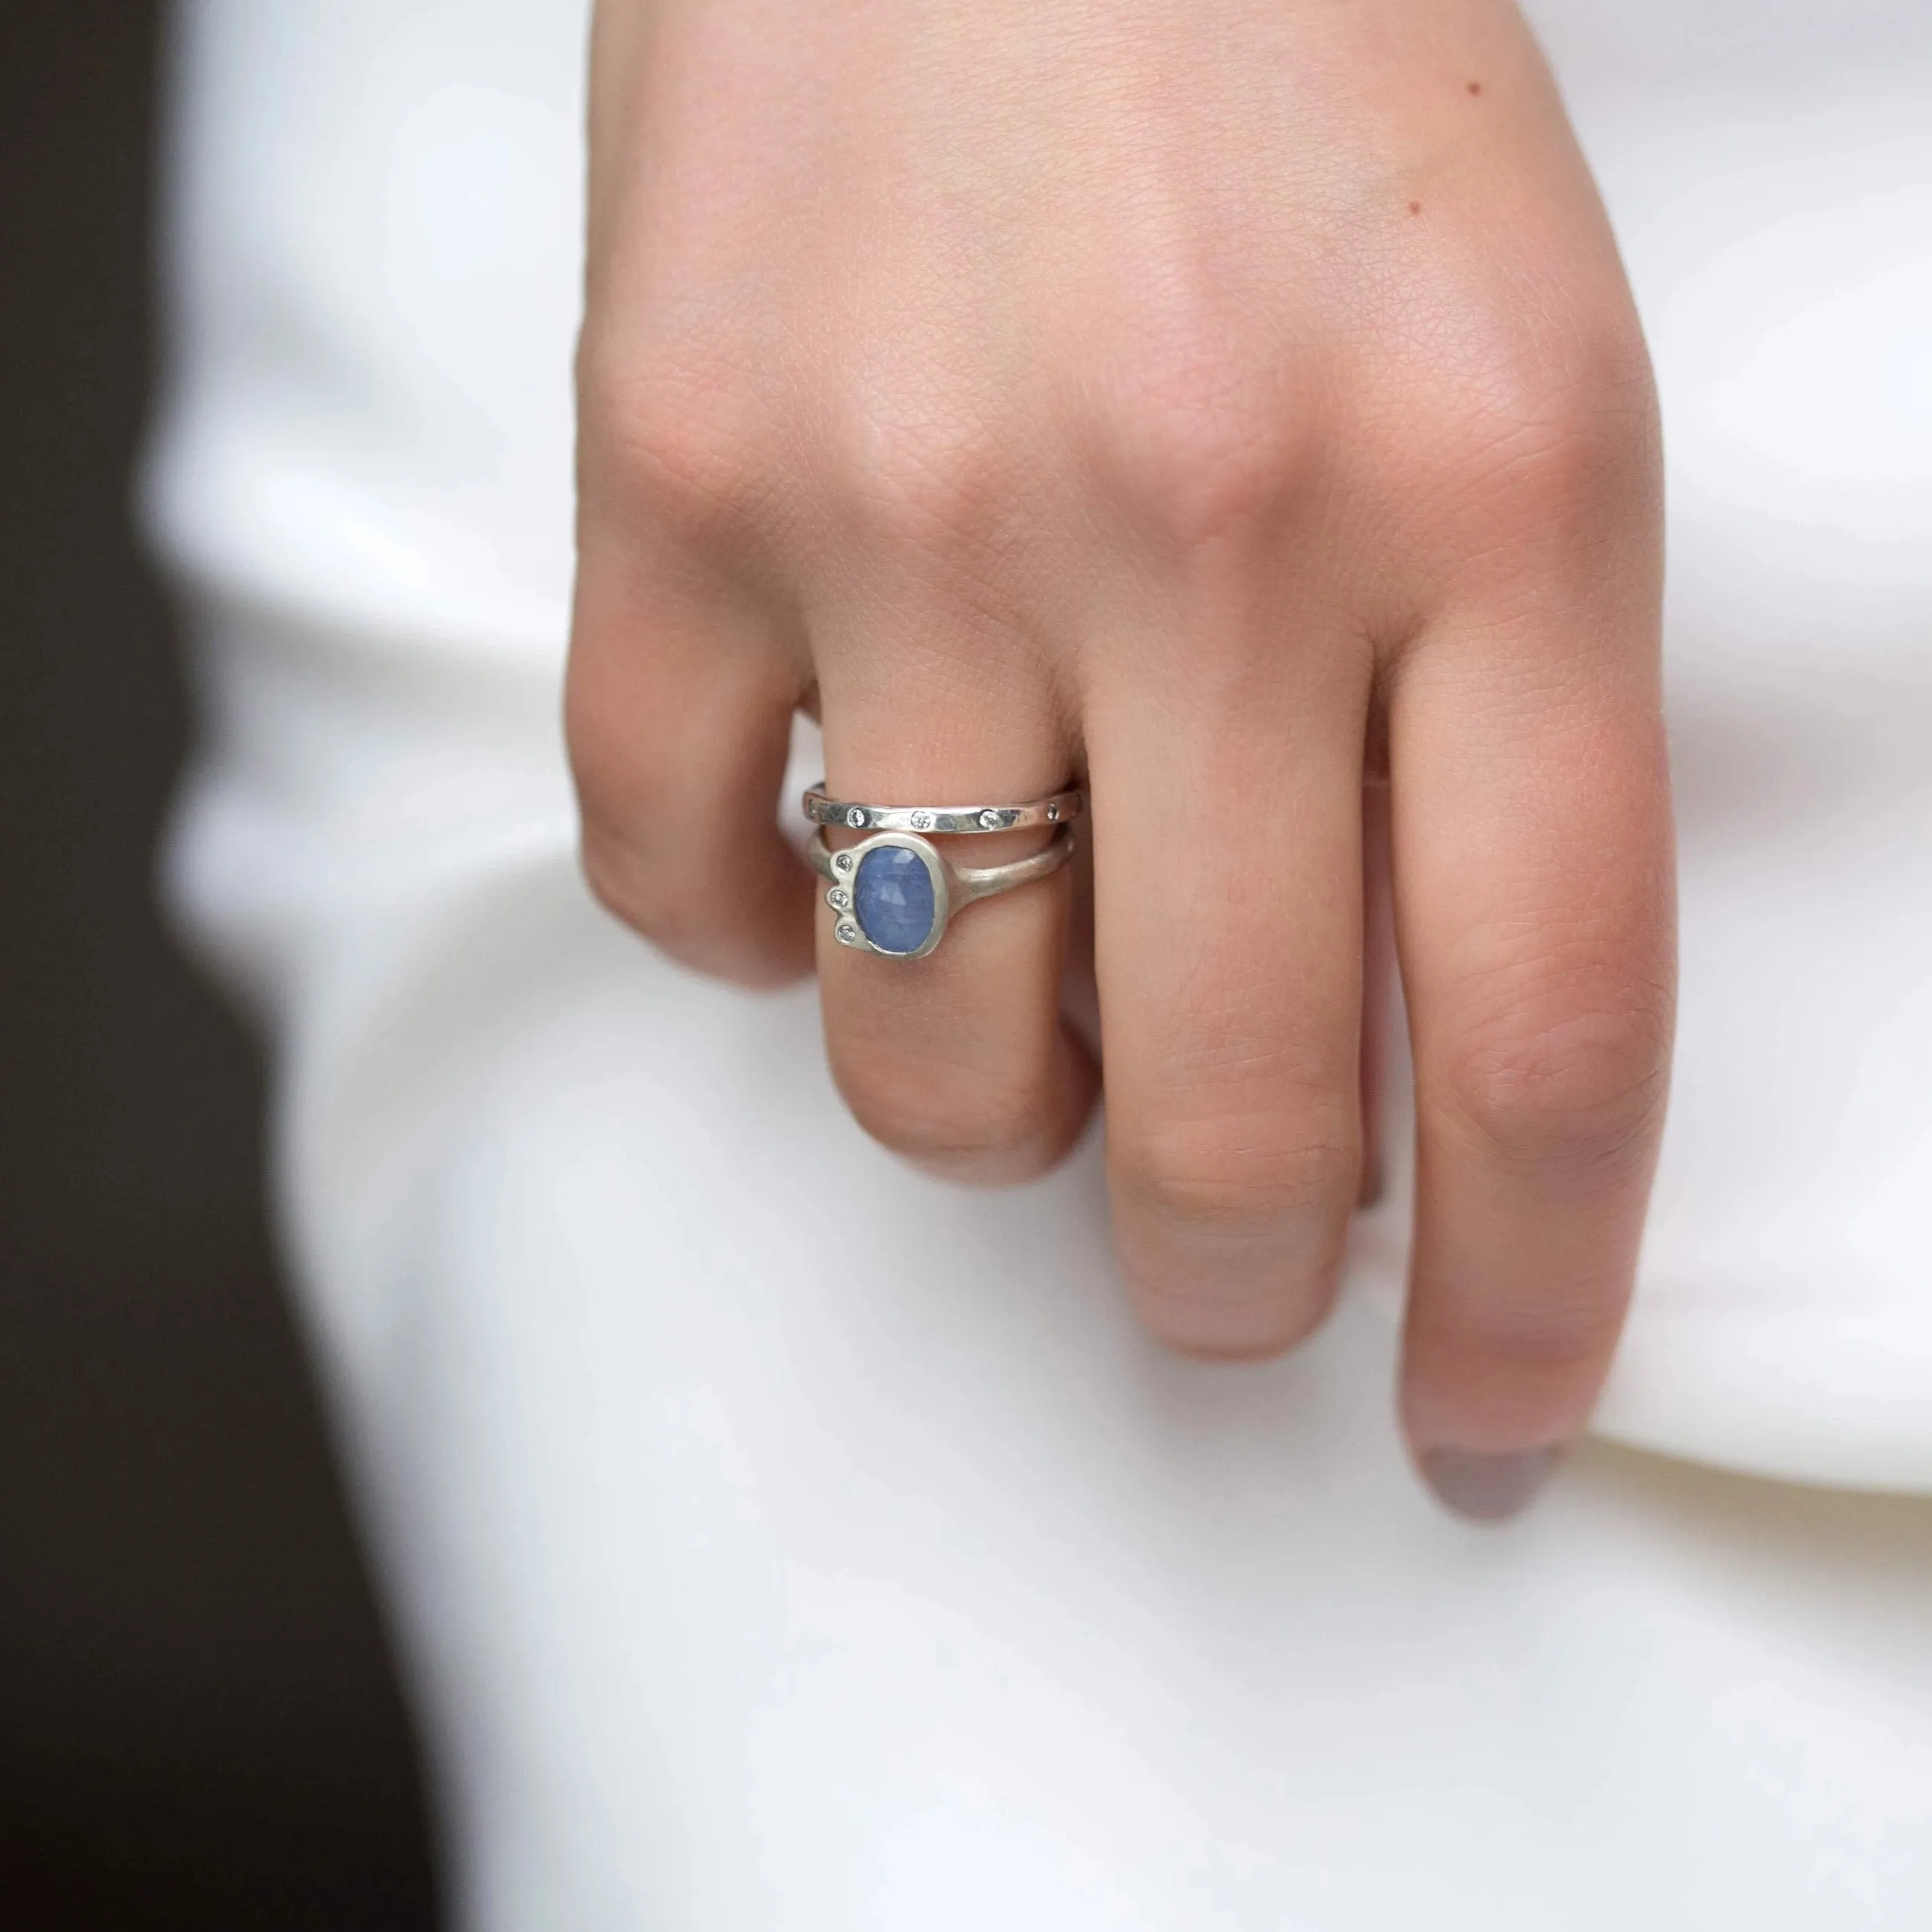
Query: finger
1229, 889
960, 1060
1079, 993
1532, 857
1378, 990
678, 711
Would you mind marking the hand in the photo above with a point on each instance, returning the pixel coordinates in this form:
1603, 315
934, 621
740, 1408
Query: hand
1221, 399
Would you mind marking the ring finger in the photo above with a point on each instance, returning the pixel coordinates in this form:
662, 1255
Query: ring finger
959, 1060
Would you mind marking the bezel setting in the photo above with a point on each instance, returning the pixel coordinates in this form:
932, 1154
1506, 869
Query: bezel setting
850, 931
953, 886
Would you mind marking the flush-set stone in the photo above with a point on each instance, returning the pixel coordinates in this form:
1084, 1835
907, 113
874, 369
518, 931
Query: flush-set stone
892, 896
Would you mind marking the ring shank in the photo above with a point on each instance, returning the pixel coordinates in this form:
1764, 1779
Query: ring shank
981, 882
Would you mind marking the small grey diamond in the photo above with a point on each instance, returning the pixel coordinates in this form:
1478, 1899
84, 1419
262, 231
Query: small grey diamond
922, 821
990, 820
848, 933
856, 817
843, 861
1052, 810
839, 898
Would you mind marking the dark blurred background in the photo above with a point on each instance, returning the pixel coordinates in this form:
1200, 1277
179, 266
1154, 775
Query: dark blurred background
199, 1724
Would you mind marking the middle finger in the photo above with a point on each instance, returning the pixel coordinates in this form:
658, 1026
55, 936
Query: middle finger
1227, 841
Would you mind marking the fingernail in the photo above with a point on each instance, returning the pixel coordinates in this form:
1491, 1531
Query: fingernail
1485, 1487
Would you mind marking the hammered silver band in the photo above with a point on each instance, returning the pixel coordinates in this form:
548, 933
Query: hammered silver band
951, 887
1062, 808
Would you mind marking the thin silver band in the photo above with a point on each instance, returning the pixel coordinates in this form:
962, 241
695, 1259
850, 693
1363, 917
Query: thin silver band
1062, 808
952, 886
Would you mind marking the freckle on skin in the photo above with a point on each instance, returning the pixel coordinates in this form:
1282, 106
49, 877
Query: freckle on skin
1475, 87
1415, 208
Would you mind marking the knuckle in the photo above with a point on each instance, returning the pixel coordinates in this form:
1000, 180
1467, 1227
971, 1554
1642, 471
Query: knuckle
1524, 1343
640, 894
1229, 1181
1569, 1085
619, 883
1551, 414
916, 475
1201, 435
1239, 1320
669, 905
679, 438
952, 1119
604, 766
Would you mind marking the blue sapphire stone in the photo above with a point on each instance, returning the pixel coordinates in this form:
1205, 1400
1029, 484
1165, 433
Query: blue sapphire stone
892, 897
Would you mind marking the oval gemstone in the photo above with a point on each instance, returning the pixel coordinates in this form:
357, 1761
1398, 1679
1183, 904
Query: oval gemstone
892, 897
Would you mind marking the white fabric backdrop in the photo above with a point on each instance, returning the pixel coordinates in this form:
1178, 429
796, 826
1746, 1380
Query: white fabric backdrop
757, 1574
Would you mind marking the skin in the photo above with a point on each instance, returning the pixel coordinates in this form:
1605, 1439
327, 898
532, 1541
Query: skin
1234, 402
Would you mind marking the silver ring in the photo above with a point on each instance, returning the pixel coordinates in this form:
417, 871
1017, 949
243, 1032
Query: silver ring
895, 891
1062, 808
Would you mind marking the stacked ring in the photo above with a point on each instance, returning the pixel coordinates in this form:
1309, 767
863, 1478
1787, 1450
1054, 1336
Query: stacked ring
1060, 809
895, 893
